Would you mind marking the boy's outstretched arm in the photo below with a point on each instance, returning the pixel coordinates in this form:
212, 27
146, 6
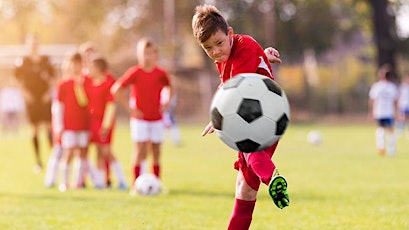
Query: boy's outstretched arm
273, 55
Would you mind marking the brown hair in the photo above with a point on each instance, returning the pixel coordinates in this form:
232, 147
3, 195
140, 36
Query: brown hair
207, 21
100, 63
146, 43
75, 58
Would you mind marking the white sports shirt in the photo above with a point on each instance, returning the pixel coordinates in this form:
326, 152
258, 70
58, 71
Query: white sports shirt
404, 97
384, 94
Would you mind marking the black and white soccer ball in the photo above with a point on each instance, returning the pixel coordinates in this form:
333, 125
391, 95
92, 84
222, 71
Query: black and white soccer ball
250, 112
148, 184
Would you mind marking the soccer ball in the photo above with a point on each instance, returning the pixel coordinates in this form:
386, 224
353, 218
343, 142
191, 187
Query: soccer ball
250, 112
147, 184
314, 137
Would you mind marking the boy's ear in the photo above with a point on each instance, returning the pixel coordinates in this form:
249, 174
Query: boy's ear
230, 31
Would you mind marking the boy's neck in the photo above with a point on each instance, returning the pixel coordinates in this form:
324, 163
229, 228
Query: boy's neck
98, 78
76, 76
148, 68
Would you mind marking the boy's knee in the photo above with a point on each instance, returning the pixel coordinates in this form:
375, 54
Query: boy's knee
244, 191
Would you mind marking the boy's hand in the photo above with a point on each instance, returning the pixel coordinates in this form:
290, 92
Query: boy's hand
137, 113
208, 129
103, 133
273, 55
164, 107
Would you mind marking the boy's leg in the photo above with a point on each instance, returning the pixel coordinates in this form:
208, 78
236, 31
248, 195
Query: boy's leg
120, 175
391, 137
107, 173
64, 168
380, 140
243, 206
156, 159
52, 166
139, 157
262, 166
38, 167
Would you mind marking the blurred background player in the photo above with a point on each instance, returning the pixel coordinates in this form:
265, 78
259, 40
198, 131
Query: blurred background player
35, 75
403, 106
383, 97
146, 81
72, 124
234, 54
101, 108
11, 107
89, 51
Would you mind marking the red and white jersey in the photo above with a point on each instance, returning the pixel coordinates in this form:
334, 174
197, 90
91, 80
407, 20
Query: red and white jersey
246, 56
75, 117
146, 88
99, 95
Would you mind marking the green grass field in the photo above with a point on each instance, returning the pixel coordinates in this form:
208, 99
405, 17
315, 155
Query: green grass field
340, 184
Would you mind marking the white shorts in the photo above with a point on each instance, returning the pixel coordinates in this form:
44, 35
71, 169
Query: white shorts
142, 130
71, 139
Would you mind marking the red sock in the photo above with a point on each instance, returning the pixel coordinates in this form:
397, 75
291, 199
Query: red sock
136, 171
156, 170
262, 165
242, 215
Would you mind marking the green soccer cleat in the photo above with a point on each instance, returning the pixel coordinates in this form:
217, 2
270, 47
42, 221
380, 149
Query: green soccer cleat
278, 191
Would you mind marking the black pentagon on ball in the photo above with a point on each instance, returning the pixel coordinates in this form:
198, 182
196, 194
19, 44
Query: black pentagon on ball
272, 86
282, 125
217, 119
233, 82
247, 146
250, 110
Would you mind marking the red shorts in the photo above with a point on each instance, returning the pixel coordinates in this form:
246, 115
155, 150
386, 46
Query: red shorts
249, 175
95, 130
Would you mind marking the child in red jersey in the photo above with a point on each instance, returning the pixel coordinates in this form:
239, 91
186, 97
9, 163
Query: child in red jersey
234, 54
72, 122
89, 51
146, 81
101, 108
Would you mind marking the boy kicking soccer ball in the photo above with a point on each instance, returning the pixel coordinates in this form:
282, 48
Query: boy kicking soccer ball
234, 54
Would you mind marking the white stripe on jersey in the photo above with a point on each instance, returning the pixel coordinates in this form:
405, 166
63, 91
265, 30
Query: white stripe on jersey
263, 65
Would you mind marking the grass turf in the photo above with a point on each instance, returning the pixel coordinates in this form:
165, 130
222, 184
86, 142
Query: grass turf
339, 184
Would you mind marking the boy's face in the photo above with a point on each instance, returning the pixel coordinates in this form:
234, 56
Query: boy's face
218, 46
147, 56
75, 68
93, 71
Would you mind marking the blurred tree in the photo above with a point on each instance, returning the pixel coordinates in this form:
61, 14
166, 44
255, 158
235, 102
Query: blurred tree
21, 13
385, 33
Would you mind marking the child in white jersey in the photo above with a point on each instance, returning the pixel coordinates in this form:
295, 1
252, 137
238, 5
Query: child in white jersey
383, 97
403, 106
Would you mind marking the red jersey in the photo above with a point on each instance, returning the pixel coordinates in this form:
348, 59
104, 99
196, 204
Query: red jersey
246, 56
75, 117
99, 95
145, 90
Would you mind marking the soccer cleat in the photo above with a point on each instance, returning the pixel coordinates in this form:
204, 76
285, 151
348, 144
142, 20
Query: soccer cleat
278, 191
